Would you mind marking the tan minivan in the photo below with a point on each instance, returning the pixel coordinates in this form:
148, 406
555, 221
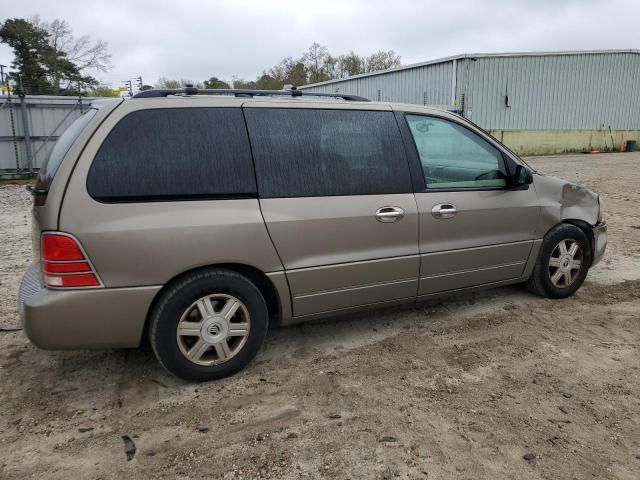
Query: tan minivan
199, 217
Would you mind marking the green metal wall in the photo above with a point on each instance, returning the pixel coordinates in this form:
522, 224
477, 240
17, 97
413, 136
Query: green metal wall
546, 91
553, 92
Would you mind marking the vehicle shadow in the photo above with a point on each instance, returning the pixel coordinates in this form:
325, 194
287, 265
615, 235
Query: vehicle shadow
115, 377
356, 329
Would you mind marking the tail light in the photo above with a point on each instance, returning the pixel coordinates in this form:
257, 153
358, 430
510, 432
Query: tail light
64, 263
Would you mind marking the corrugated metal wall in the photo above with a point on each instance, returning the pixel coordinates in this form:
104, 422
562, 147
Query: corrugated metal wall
554, 92
576, 91
48, 117
429, 85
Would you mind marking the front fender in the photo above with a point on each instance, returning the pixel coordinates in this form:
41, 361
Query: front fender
561, 200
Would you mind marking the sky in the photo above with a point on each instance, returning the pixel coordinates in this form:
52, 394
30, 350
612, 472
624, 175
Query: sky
199, 39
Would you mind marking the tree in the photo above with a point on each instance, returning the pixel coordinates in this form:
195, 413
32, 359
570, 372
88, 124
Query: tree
315, 65
102, 91
381, 60
269, 82
167, 83
241, 83
71, 59
215, 82
318, 65
288, 72
171, 83
315, 61
50, 59
29, 44
350, 64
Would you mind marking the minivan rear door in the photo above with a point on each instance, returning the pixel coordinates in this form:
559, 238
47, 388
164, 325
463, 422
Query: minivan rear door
336, 195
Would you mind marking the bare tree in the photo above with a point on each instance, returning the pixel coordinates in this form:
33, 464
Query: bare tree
169, 83
350, 64
315, 61
71, 58
382, 60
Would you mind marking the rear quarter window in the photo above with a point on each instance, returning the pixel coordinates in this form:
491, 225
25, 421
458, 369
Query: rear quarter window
60, 149
174, 153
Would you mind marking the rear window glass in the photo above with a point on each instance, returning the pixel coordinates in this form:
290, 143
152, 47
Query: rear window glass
313, 152
174, 153
62, 146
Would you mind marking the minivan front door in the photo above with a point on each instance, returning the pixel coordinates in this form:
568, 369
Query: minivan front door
474, 228
336, 196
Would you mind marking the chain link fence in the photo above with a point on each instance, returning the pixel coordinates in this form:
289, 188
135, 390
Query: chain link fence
30, 126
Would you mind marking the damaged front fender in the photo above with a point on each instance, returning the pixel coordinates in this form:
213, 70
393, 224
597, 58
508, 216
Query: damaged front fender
562, 201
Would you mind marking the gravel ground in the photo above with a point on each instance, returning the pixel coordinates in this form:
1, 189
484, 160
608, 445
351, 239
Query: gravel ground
497, 384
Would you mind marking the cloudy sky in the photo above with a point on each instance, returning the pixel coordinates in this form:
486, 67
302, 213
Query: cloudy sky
199, 38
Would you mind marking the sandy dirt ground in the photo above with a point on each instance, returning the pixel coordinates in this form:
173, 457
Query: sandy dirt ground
463, 388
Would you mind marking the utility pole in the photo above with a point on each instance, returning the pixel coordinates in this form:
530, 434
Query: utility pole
25, 125
128, 83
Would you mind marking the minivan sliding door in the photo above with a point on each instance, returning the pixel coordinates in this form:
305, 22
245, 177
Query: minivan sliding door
336, 196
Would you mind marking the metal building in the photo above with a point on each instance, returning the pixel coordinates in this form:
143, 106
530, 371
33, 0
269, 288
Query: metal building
535, 102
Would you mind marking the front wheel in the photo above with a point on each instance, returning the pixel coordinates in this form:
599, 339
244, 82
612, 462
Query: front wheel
563, 262
208, 325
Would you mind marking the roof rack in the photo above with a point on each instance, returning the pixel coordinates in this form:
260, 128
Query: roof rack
243, 92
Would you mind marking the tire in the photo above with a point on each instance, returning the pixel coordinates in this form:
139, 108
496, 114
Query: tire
214, 308
562, 281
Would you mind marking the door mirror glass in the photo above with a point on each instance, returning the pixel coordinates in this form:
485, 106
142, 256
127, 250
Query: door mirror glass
522, 176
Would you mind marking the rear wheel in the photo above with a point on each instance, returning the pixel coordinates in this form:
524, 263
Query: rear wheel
209, 325
563, 262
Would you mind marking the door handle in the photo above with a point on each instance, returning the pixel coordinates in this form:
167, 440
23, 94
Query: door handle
389, 214
444, 210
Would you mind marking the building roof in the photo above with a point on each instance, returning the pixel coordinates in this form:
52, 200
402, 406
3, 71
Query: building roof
472, 55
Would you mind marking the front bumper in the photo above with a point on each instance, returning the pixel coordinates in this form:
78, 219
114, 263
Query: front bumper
77, 319
599, 241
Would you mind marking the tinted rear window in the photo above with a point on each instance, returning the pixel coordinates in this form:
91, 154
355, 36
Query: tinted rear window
304, 153
62, 146
174, 153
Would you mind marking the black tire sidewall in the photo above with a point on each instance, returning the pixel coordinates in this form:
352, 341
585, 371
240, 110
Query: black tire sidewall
551, 240
165, 318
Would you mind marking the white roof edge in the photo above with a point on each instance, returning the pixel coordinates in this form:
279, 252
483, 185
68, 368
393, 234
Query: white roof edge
471, 55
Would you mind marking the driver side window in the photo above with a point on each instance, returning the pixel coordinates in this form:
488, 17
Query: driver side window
455, 157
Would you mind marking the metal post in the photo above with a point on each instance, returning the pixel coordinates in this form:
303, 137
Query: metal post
79, 97
2, 67
454, 80
13, 123
25, 126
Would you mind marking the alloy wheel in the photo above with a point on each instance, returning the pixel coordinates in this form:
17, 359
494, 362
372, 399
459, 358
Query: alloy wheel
213, 329
565, 263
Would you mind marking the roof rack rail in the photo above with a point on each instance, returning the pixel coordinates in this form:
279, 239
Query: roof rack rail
243, 92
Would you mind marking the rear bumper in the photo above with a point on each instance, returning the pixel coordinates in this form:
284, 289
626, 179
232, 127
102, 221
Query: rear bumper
77, 319
599, 241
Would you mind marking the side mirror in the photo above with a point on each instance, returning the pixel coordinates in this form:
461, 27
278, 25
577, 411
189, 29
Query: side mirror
522, 176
